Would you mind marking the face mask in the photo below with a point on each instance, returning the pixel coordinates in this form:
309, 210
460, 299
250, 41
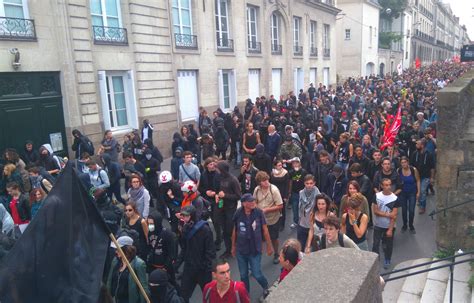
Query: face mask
297, 168
148, 157
151, 227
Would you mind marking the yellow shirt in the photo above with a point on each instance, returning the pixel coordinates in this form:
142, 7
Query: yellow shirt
270, 198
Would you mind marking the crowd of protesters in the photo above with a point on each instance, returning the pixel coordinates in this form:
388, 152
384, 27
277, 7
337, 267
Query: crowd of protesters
315, 155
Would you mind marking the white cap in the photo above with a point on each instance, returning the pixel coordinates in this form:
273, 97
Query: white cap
122, 241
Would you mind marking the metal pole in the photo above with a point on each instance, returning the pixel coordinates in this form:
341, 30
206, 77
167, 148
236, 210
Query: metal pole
451, 268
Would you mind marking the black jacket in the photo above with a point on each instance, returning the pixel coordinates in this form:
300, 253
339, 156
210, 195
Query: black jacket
336, 188
199, 250
322, 172
263, 162
112, 168
23, 207
366, 187
162, 244
229, 185
209, 181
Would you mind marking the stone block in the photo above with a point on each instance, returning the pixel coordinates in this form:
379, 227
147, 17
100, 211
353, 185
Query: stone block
77, 22
158, 76
152, 58
349, 276
81, 45
81, 33
85, 77
446, 176
154, 67
90, 119
155, 84
466, 181
78, 11
89, 109
156, 93
84, 67
83, 55
450, 156
87, 88
88, 98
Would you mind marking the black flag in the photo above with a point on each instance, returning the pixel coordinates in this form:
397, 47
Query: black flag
61, 255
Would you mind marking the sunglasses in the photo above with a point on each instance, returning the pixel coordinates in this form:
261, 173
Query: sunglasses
129, 210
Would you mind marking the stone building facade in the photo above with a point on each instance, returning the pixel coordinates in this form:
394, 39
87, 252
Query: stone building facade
97, 65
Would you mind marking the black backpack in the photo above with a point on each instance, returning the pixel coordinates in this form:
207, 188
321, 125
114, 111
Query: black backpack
340, 239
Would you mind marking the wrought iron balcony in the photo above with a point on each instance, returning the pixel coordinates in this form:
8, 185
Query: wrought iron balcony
255, 47
225, 45
297, 50
313, 51
326, 52
183, 41
17, 29
110, 35
276, 49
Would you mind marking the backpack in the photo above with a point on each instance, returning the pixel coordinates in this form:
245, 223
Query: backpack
208, 293
125, 230
89, 146
340, 239
60, 161
25, 179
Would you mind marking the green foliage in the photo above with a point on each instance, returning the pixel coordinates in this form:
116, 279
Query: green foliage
471, 281
396, 7
386, 38
445, 252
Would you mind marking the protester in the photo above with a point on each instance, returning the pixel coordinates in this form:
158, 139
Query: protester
333, 237
138, 194
36, 200
98, 176
223, 289
424, 163
281, 179
247, 175
297, 175
134, 221
161, 290
410, 193
81, 144
354, 222
321, 210
188, 170
289, 258
109, 146
307, 199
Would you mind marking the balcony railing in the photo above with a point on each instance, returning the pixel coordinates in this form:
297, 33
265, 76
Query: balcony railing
110, 35
225, 45
313, 51
326, 52
254, 47
17, 29
185, 41
276, 49
298, 50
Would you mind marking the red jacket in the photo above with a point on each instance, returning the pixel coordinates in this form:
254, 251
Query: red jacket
210, 294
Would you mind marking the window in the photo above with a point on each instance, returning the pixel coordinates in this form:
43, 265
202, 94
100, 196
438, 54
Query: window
14, 9
312, 34
182, 20
326, 41
118, 100
370, 36
222, 24
296, 31
252, 27
348, 34
275, 31
227, 89
106, 13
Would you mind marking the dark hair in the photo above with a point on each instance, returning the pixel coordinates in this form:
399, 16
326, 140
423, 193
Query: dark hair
133, 205
385, 179
308, 177
357, 146
208, 160
85, 155
332, 221
353, 183
386, 159
323, 153
129, 251
247, 156
187, 153
126, 155
13, 185
106, 132
404, 158
220, 261
135, 176
277, 161
376, 151
34, 170
90, 162
326, 199
290, 254
355, 168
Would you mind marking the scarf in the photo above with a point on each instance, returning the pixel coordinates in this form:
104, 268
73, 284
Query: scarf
188, 199
307, 199
279, 173
137, 194
36, 181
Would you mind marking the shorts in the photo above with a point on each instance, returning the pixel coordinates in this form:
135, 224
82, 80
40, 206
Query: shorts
274, 231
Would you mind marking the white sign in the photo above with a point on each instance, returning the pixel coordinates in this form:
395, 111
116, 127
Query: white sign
56, 140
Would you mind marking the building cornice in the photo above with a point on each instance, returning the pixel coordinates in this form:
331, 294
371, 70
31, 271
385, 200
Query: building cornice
323, 6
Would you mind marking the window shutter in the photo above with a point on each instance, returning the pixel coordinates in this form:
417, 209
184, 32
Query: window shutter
103, 98
132, 107
221, 89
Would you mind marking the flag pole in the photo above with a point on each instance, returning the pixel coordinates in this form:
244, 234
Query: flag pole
130, 269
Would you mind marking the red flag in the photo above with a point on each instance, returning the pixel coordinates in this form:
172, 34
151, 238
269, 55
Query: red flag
417, 62
390, 134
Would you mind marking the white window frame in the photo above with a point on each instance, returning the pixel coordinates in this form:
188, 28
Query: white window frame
219, 16
252, 37
275, 28
232, 83
313, 25
104, 13
130, 99
326, 33
347, 34
180, 18
296, 31
24, 6
370, 36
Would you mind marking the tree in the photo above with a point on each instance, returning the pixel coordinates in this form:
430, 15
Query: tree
391, 9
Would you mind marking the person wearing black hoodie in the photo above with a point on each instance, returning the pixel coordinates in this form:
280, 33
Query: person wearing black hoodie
262, 160
228, 193
152, 166
113, 170
161, 289
81, 144
169, 198
30, 155
155, 152
162, 246
198, 252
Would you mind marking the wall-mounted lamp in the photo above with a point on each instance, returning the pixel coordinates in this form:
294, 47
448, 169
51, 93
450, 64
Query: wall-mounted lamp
16, 61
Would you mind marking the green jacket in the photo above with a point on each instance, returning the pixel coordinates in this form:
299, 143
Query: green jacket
134, 294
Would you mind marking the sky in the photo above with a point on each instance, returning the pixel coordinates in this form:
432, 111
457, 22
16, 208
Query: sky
464, 9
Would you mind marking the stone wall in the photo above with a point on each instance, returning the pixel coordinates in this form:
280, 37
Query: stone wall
455, 163
332, 275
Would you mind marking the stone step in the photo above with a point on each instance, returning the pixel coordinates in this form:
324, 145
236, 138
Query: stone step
462, 293
393, 288
413, 286
435, 285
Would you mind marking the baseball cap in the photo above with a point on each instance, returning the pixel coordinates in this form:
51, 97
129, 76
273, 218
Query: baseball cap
295, 159
122, 241
247, 198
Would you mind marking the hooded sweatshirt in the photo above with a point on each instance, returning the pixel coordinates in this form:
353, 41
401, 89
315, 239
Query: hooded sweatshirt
50, 161
162, 243
229, 185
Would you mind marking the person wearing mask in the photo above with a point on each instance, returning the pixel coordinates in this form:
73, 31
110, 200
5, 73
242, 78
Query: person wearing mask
161, 289
139, 195
98, 176
272, 142
281, 179
152, 166
410, 193
268, 199
387, 172
120, 283
297, 175
337, 185
226, 199
48, 161
247, 175
147, 131
385, 217
188, 171
176, 162
250, 228
30, 155
354, 222
169, 198
81, 144
423, 161
221, 139
155, 152
198, 252
111, 213
222, 289
36, 201
262, 161
191, 196
162, 252
109, 146
307, 200
114, 172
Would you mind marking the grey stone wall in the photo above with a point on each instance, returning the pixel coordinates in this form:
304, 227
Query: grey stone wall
455, 163
332, 275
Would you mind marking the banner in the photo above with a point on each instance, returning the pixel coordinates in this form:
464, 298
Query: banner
391, 133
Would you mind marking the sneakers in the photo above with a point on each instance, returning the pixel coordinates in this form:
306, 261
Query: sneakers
412, 230
404, 228
422, 210
276, 259
386, 264
293, 225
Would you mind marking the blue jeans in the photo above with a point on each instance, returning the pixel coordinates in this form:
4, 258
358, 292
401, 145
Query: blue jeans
408, 202
343, 165
295, 201
238, 149
424, 187
244, 261
302, 236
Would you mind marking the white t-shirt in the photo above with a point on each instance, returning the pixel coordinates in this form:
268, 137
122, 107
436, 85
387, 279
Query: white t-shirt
384, 204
